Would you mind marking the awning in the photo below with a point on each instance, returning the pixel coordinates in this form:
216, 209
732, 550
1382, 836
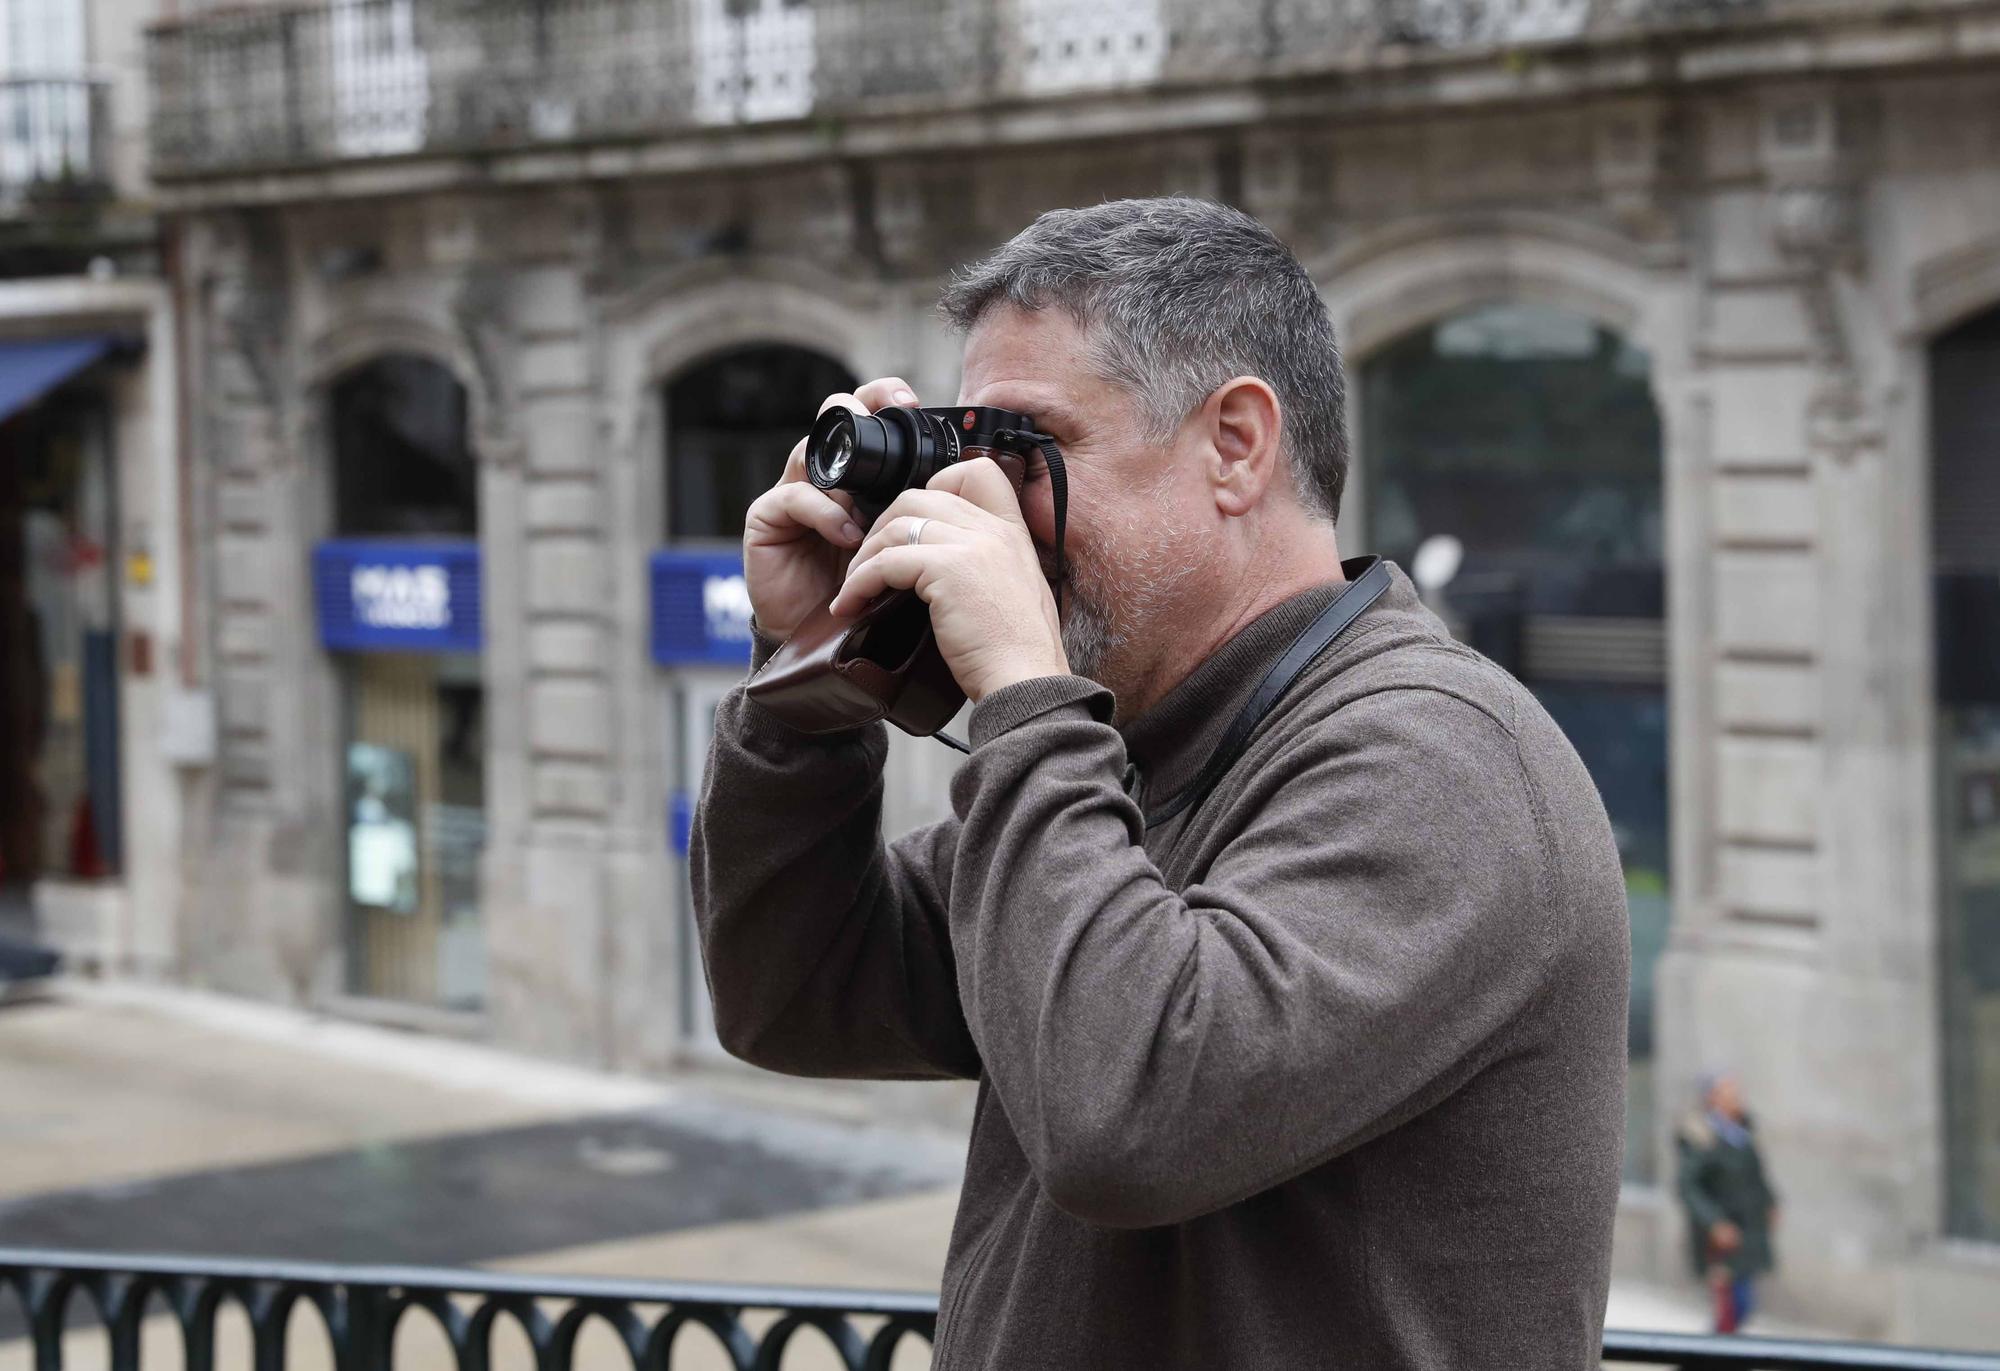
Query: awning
31, 367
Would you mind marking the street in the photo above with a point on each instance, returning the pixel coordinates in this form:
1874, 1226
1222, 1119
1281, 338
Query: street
141, 1120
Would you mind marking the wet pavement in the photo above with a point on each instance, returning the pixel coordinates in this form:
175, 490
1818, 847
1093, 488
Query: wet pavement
141, 1126
477, 1197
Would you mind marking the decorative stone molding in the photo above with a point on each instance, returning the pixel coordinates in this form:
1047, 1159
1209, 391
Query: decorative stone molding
1382, 285
250, 317
1948, 289
356, 339
1635, 147
1811, 143
485, 333
251, 305
688, 313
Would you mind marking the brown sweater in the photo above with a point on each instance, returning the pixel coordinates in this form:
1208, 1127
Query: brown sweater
1329, 1073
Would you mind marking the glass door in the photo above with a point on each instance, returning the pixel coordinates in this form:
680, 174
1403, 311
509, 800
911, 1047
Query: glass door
416, 826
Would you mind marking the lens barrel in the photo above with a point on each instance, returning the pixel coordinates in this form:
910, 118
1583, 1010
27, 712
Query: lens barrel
877, 456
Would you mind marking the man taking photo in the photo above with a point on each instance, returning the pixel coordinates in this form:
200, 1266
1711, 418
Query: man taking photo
1300, 1049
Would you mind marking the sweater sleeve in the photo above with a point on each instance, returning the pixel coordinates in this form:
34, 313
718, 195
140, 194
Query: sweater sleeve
1380, 913
826, 950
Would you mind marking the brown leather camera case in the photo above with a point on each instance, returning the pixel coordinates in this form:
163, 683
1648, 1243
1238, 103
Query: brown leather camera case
835, 674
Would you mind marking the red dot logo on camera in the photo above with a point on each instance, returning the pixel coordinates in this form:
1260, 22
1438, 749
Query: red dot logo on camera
967, 422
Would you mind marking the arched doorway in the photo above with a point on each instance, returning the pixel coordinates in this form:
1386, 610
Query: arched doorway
1965, 556
730, 421
401, 574
1530, 435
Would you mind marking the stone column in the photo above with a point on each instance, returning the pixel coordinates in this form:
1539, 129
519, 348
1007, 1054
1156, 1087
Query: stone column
1789, 963
263, 915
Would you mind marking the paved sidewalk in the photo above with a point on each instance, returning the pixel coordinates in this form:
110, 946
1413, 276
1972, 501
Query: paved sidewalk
150, 1120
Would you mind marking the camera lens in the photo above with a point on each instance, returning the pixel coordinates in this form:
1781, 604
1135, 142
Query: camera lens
840, 450
873, 456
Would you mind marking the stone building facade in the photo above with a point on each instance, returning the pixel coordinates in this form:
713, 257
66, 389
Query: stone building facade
95, 707
1772, 219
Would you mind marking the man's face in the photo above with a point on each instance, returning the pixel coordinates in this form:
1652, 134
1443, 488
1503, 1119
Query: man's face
1725, 1097
1138, 557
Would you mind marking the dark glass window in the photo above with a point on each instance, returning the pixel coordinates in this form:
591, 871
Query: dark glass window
1530, 435
402, 461
413, 768
731, 423
1965, 541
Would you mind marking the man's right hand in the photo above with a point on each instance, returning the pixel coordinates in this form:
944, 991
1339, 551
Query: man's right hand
797, 538
1724, 1237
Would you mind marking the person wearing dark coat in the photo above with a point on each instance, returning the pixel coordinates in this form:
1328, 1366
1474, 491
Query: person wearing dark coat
1731, 1206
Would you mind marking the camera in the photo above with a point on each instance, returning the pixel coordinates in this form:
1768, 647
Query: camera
876, 457
835, 674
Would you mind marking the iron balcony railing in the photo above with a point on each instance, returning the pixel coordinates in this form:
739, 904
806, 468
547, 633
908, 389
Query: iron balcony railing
276, 86
54, 139
650, 1323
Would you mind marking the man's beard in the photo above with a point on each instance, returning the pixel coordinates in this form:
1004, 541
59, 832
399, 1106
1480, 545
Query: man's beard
1111, 614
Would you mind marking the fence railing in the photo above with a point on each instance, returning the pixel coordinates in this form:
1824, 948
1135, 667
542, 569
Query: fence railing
54, 137
748, 1328
332, 80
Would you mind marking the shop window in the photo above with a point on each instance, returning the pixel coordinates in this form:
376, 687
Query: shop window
731, 423
1965, 547
413, 761
59, 791
1530, 436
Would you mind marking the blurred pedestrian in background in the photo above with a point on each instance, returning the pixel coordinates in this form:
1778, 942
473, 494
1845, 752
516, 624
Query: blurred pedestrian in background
1731, 1206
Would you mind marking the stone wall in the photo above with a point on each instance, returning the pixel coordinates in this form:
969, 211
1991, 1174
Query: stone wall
1781, 251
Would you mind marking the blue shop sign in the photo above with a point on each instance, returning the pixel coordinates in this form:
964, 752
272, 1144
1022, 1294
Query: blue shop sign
701, 609
382, 596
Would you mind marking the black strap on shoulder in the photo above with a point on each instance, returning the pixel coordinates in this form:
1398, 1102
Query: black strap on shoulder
1367, 578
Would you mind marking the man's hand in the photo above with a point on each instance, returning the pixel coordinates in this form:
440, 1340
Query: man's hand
975, 566
797, 537
1724, 1237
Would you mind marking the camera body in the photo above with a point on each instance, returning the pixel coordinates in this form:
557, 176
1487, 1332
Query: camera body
835, 674
875, 457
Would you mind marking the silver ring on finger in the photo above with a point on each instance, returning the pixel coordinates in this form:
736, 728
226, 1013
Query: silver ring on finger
917, 531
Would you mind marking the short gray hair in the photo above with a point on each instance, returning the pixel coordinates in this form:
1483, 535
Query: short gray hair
1177, 296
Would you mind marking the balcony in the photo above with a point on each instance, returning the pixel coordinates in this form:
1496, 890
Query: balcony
249, 91
53, 142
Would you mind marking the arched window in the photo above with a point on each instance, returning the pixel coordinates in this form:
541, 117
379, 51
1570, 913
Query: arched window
1965, 550
402, 462
1529, 435
414, 754
731, 422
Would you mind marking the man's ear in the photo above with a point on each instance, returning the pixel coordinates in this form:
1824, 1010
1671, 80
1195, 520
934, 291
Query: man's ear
1245, 429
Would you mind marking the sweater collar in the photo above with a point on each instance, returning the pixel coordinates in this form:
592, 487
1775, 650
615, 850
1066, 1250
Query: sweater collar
1171, 741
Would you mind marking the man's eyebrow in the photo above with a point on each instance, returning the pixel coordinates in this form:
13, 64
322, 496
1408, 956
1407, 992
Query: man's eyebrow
1046, 414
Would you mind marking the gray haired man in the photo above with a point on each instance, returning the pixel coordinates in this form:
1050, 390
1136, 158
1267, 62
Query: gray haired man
1322, 1067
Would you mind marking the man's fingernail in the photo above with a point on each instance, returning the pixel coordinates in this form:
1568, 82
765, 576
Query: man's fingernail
906, 397
850, 530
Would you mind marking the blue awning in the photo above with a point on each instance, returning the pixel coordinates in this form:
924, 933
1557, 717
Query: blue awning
31, 367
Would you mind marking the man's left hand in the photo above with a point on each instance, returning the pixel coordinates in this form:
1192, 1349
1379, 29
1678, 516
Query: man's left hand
976, 567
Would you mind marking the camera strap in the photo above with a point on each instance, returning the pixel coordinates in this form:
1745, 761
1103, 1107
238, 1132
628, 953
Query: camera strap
1367, 578
1059, 491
